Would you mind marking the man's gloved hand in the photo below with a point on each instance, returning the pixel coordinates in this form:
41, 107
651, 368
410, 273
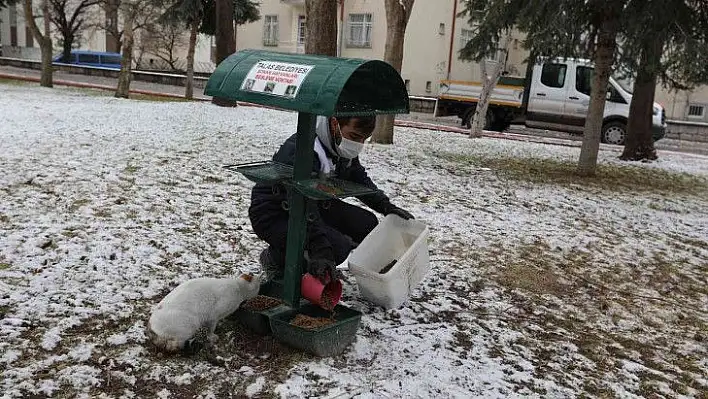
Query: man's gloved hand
324, 269
400, 212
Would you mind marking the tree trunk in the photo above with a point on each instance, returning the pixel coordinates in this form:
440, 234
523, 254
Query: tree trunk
639, 144
397, 15
225, 44
45, 41
126, 61
321, 27
113, 43
189, 91
479, 120
527, 77
46, 79
66, 48
604, 57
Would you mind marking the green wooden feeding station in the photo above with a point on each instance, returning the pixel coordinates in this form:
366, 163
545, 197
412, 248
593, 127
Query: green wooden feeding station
311, 85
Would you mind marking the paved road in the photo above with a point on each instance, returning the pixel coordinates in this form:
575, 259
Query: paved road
453, 121
419, 119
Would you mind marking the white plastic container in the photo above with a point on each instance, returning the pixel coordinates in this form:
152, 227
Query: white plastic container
406, 241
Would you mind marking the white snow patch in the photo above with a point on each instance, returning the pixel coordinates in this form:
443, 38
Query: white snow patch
184, 379
255, 387
47, 387
117, 339
51, 338
79, 376
82, 352
10, 356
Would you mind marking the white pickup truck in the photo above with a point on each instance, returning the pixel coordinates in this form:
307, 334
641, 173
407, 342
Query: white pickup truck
558, 99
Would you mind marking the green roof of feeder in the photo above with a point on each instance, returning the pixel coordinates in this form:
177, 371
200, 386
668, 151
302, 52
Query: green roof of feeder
310, 83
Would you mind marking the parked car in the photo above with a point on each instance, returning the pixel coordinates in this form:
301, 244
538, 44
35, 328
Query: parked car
559, 96
91, 58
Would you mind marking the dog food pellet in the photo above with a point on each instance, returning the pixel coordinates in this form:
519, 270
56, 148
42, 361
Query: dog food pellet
261, 302
309, 322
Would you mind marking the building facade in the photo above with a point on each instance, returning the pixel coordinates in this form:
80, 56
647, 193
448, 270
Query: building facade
433, 38
16, 41
15, 37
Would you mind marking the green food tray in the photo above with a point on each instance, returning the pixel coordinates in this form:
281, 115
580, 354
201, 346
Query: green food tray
324, 189
330, 340
258, 321
264, 171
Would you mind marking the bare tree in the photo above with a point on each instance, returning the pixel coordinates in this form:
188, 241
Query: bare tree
45, 41
163, 40
68, 16
114, 35
398, 12
137, 15
321, 27
480, 118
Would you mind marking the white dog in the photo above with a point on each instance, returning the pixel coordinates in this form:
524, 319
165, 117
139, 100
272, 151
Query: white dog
190, 312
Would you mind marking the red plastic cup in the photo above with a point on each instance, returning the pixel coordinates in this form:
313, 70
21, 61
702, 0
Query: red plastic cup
314, 291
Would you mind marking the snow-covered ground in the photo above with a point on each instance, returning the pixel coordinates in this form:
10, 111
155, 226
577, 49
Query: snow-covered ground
542, 284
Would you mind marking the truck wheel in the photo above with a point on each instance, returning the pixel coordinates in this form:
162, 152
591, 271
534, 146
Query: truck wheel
614, 133
467, 118
489, 123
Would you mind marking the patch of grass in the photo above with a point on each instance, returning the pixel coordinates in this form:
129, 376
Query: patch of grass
4, 218
131, 214
70, 233
702, 244
4, 266
15, 82
130, 169
147, 97
612, 177
531, 279
76, 205
102, 213
213, 179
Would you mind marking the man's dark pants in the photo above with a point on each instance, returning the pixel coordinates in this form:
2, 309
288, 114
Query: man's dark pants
345, 226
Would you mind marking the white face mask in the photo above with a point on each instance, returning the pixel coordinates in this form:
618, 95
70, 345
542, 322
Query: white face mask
349, 149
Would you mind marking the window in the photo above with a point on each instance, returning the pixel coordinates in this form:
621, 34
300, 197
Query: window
13, 15
696, 111
465, 36
301, 29
13, 25
428, 86
553, 75
110, 59
359, 30
615, 96
583, 79
408, 85
29, 40
270, 30
88, 59
441, 29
